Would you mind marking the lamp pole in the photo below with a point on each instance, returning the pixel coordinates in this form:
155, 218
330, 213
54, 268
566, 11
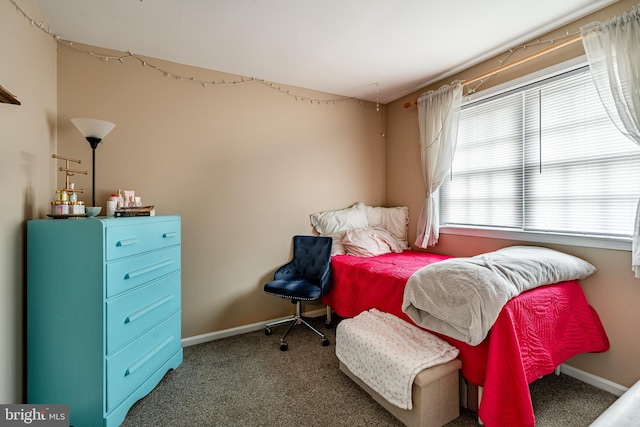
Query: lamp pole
93, 142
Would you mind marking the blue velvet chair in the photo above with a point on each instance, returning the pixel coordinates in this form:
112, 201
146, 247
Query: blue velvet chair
305, 278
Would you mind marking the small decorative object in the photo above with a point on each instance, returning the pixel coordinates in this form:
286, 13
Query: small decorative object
66, 203
120, 199
94, 131
93, 210
129, 197
111, 207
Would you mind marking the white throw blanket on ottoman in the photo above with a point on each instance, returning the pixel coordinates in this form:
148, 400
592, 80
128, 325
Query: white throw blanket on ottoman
387, 353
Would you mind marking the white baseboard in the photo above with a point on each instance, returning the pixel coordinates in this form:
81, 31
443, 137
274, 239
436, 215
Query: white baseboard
212, 336
593, 380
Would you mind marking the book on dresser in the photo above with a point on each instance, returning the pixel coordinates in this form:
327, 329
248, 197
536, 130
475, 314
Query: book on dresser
103, 312
135, 211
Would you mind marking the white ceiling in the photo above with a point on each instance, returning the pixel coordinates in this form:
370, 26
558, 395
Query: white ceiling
344, 47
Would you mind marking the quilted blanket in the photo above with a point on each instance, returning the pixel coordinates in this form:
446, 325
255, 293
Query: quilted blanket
387, 353
534, 332
462, 297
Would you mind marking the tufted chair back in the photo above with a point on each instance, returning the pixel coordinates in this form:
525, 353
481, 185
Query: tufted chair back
311, 261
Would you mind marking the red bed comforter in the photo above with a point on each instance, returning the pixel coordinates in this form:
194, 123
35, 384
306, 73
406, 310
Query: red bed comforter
535, 331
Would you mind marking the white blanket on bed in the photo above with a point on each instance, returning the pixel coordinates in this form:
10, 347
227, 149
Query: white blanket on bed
462, 297
387, 353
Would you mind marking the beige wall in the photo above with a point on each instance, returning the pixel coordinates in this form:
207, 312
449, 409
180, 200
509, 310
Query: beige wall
27, 139
612, 291
244, 166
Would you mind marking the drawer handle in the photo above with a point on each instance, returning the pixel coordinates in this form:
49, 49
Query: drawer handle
169, 234
144, 359
148, 269
134, 316
127, 242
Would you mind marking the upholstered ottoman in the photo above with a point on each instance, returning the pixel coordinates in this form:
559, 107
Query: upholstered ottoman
375, 348
435, 396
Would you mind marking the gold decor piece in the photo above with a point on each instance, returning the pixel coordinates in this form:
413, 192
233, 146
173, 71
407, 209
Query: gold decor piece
66, 202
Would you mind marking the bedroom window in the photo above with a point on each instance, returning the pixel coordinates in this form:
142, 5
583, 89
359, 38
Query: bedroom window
543, 159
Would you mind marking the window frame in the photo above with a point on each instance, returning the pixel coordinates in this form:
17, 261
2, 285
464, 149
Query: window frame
592, 241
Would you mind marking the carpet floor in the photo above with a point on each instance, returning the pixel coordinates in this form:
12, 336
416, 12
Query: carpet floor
245, 380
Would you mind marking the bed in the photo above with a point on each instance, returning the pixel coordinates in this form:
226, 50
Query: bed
534, 332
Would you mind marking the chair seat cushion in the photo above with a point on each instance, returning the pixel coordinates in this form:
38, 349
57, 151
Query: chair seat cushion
301, 289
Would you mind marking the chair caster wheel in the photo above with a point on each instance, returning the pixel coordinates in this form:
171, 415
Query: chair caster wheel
268, 331
328, 325
325, 342
284, 346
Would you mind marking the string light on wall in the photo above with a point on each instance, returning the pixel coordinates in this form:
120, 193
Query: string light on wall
203, 83
382, 134
511, 52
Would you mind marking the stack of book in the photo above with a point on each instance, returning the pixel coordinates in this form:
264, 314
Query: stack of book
135, 211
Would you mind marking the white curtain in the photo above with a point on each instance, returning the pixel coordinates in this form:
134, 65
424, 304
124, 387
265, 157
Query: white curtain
613, 52
438, 117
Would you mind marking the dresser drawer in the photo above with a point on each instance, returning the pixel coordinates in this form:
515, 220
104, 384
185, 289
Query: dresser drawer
130, 272
130, 315
132, 239
132, 365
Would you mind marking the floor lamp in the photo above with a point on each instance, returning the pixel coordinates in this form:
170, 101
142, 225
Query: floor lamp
94, 131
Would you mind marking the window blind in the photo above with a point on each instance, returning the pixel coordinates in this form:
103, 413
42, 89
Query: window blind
543, 157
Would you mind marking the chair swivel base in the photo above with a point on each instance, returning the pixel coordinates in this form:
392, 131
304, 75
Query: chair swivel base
295, 320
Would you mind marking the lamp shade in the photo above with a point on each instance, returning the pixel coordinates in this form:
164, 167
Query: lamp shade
93, 128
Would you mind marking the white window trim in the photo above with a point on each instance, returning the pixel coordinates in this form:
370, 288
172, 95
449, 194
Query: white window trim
603, 242
620, 244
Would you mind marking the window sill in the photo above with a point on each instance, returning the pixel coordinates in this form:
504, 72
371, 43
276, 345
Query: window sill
620, 244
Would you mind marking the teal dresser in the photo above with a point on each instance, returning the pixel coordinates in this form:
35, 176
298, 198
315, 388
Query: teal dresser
103, 312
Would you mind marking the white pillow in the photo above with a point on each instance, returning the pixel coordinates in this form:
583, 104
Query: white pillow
337, 247
331, 222
393, 219
335, 223
370, 242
